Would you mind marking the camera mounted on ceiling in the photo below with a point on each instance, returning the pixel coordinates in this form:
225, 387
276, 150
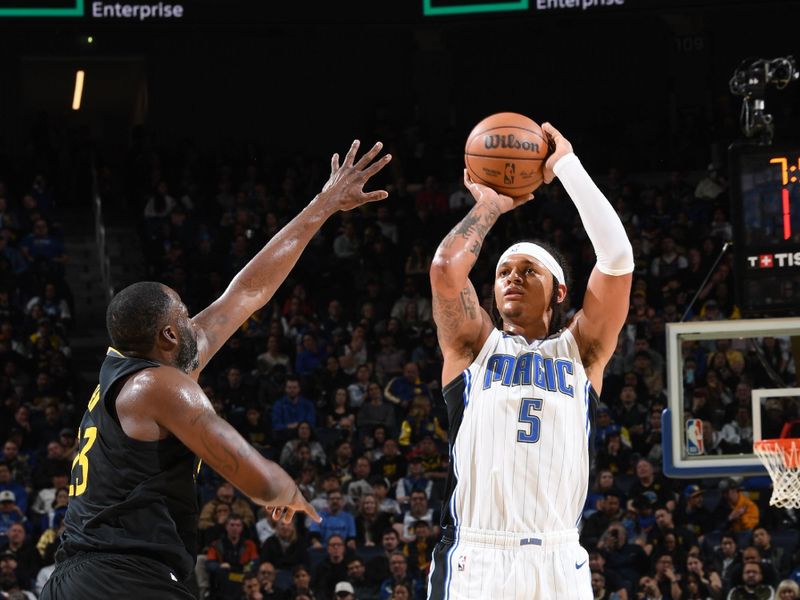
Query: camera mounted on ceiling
750, 81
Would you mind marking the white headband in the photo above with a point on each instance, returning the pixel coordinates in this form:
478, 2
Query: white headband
540, 254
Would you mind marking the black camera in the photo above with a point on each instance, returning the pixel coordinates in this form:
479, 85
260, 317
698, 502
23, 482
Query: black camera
750, 81
752, 76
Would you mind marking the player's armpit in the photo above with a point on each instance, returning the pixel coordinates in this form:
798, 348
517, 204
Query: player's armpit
605, 309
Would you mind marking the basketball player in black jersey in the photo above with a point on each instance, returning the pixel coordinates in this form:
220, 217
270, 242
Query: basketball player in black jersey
132, 519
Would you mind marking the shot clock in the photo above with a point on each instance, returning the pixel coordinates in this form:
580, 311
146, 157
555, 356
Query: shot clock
765, 199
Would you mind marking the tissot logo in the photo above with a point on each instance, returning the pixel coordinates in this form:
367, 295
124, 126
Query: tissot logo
770, 261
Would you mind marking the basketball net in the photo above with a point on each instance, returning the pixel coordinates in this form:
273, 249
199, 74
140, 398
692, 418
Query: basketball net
781, 457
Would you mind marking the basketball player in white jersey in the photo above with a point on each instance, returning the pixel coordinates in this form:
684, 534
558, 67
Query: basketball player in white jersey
520, 399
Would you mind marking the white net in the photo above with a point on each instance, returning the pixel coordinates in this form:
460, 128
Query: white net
782, 459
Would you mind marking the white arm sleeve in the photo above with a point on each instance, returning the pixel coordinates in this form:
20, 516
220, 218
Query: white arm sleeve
602, 224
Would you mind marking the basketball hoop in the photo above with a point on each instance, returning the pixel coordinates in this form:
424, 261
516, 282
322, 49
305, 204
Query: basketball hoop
781, 457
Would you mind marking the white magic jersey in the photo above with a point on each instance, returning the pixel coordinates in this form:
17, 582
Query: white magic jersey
520, 427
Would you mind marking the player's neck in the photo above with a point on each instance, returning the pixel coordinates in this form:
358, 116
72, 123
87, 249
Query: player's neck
534, 330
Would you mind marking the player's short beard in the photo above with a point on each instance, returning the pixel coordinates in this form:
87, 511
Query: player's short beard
188, 358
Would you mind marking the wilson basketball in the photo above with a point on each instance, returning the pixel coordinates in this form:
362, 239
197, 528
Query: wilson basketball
506, 151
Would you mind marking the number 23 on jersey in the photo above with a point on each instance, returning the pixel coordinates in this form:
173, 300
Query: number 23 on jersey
80, 465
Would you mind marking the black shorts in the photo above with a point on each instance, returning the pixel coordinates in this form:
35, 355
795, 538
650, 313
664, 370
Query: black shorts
100, 576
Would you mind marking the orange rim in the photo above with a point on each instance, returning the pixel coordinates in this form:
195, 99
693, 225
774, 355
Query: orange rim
790, 447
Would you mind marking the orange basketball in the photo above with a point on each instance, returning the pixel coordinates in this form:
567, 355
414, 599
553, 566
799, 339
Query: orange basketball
506, 151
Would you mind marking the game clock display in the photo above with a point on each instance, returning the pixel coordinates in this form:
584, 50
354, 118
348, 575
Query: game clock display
765, 198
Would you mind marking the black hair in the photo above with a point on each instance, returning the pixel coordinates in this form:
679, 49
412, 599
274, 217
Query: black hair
136, 314
559, 318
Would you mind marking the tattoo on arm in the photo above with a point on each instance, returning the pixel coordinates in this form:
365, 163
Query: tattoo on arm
468, 303
227, 459
472, 229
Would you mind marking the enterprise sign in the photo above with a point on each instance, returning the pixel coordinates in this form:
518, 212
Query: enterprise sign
140, 11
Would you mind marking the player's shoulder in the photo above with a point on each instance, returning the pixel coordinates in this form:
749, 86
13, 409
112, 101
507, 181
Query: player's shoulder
156, 385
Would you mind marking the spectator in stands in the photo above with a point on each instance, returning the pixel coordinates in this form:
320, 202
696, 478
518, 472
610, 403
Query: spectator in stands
736, 511
752, 585
613, 583
266, 576
647, 480
726, 559
332, 569
335, 521
340, 414
599, 587
18, 464
18, 490
411, 294
341, 462
359, 485
41, 246
375, 411
787, 590
399, 574
305, 434
414, 480
420, 550
228, 558
284, 548
27, 557
420, 422
291, 410
692, 513
309, 356
609, 511
301, 584
401, 390
615, 456
225, 494
707, 582
776, 555
664, 525
380, 489
418, 510
626, 559
370, 522
363, 588
273, 357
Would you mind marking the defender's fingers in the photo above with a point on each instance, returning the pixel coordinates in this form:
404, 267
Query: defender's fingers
376, 166
312, 512
351, 154
367, 158
335, 162
288, 515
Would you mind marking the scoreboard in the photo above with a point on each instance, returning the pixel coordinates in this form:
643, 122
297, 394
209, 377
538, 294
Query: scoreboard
765, 203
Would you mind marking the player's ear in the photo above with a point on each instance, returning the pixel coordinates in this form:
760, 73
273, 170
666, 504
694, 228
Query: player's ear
562, 293
167, 338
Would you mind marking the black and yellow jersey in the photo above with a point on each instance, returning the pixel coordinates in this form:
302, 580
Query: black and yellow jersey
129, 496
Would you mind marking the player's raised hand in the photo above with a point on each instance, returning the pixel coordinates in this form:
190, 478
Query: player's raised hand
483, 193
344, 189
562, 147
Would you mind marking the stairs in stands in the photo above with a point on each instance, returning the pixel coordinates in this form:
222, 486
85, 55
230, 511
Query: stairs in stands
83, 273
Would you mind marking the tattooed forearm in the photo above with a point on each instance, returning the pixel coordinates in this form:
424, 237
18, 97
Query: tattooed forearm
472, 229
223, 447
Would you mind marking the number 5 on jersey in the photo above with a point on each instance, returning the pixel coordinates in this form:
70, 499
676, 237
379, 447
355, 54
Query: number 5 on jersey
526, 416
